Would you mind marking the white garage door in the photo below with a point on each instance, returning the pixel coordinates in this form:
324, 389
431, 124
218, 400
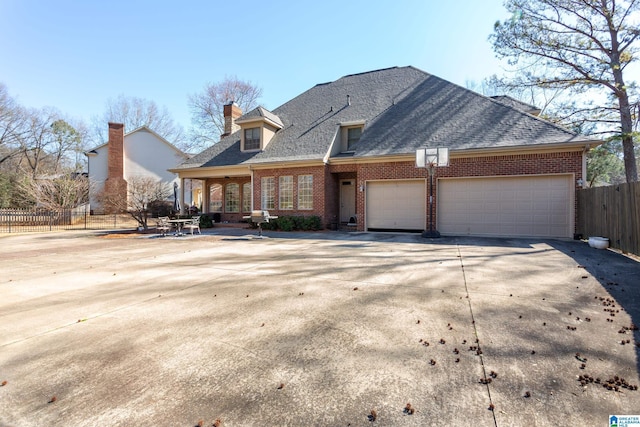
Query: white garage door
396, 205
540, 206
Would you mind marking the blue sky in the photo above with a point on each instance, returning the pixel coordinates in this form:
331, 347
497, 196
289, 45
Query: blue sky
75, 55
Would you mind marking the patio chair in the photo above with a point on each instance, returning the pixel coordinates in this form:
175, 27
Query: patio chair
163, 225
194, 224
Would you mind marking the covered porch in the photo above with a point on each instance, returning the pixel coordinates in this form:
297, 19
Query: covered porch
224, 195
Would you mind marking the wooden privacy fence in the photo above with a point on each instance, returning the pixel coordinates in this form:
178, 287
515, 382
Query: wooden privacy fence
612, 212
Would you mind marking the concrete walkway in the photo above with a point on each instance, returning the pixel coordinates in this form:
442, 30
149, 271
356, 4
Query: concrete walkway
314, 329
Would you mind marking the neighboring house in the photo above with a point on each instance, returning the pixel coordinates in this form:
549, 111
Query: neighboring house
346, 150
139, 153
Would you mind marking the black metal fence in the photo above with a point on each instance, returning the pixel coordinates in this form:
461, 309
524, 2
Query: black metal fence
25, 220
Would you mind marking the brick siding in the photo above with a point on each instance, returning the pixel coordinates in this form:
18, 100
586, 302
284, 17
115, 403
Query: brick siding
115, 184
226, 216
320, 177
326, 178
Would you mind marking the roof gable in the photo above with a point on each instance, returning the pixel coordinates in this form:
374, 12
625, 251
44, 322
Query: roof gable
260, 114
145, 128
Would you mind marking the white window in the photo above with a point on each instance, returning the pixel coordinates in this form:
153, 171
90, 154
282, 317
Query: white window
232, 198
305, 192
285, 191
268, 193
246, 197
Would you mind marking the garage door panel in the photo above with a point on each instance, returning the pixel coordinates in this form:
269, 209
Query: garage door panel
510, 206
395, 205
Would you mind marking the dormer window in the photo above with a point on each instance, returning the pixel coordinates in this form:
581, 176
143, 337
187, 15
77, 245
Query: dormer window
353, 136
252, 139
259, 126
350, 134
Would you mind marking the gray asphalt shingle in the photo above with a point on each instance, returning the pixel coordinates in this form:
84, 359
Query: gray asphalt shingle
403, 109
518, 105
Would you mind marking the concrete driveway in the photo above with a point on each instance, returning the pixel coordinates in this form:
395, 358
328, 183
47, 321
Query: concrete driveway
314, 329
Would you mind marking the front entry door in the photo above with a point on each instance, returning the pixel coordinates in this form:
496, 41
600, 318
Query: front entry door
347, 199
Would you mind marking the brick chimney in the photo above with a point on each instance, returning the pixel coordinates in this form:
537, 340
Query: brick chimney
231, 113
115, 185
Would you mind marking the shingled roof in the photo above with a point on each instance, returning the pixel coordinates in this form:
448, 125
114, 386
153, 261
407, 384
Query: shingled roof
403, 109
517, 104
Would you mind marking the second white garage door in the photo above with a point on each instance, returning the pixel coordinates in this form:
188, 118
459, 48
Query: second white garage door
395, 205
538, 206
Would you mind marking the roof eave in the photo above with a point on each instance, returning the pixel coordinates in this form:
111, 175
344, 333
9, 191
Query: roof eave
202, 172
577, 145
287, 164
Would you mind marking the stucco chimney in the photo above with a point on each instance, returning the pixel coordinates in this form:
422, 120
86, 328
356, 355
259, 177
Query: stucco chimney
231, 113
115, 184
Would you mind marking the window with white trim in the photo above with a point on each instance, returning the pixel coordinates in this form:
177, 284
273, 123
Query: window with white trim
232, 198
215, 198
246, 197
268, 193
285, 192
305, 192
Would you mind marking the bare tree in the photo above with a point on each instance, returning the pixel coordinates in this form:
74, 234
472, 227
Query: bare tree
56, 192
584, 46
141, 190
36, 141
13, 119
136, 112
207, 107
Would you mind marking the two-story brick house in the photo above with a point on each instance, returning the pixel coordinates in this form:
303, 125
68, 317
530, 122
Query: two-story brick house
346, 150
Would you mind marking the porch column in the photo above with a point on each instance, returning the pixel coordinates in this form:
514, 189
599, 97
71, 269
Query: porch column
205, 196
181, 194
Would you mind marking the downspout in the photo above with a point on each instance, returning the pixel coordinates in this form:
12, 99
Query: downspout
251, 170
585, 183
182, 210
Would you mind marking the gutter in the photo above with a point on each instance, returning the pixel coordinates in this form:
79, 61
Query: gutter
478, 152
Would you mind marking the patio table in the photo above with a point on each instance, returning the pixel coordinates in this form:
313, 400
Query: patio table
179, 224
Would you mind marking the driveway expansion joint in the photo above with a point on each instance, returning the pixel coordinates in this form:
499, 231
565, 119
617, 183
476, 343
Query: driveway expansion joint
475, 333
